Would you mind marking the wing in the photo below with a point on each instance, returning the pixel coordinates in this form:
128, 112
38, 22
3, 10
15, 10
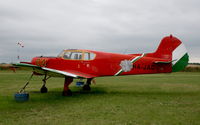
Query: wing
55, 72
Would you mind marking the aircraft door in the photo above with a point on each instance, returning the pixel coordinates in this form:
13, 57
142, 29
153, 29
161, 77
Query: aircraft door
87, 59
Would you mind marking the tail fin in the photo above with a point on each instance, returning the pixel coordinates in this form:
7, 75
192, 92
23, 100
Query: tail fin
173, 49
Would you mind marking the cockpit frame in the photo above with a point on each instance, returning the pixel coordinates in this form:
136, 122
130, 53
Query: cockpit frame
75, 54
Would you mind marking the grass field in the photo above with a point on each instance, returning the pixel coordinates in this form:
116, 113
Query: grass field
160, 99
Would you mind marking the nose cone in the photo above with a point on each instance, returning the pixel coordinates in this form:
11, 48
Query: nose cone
40, 61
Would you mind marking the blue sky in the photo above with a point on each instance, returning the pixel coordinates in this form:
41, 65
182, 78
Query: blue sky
125, 26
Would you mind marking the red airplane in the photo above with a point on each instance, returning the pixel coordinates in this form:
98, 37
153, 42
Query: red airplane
170, 56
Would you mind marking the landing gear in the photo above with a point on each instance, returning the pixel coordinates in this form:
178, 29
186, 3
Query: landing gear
44, 88
86, 87
67, 93
66, 90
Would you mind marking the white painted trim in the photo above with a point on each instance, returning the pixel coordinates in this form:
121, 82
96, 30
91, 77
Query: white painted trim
60, 72
118, 72
137, 57
132, 61
178, 53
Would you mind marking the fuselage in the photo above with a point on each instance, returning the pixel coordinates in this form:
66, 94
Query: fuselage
103, 63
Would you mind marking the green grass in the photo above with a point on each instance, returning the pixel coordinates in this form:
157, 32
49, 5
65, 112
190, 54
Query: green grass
160, 99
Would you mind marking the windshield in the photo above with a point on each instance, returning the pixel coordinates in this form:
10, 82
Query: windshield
61, 53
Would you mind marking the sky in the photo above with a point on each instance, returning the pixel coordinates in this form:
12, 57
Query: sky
46, 27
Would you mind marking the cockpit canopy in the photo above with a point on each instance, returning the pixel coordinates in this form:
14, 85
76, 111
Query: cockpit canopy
72, 54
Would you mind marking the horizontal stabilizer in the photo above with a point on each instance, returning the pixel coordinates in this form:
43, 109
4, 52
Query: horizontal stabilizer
164, 62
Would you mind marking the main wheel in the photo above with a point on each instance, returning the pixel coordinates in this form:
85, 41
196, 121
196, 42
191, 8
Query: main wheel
86, 87
67, 93
44, 89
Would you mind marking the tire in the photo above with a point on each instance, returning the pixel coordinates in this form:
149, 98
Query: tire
44, 89
86, 88
67, 93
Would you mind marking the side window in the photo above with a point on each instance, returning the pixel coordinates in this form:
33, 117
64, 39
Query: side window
89, 56
76, 55
86, 56
92, 56
73, 55
67, 55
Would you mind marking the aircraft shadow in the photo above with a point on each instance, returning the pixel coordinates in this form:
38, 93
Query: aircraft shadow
77, 95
